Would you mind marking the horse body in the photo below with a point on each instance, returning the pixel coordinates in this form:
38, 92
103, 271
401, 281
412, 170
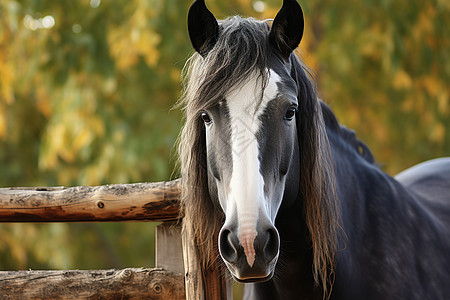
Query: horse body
303, 210
396, 240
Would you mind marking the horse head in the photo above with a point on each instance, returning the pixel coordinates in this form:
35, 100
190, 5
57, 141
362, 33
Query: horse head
251, 111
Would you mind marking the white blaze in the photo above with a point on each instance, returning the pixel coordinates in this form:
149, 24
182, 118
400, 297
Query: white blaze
246, 191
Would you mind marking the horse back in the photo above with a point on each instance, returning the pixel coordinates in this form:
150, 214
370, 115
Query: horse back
430, 181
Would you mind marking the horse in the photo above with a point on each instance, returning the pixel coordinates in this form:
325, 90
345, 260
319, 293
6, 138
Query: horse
295, 202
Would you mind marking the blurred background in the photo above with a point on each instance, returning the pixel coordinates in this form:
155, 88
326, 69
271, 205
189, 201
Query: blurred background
87, 87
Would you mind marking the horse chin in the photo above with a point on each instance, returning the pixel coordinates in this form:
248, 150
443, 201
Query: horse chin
253, 274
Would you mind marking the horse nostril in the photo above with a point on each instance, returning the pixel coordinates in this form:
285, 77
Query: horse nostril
226, 247
272, 244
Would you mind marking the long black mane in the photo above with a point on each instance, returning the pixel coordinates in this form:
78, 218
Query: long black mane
331, 122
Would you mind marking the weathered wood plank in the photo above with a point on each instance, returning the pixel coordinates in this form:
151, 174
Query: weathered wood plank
117, 202
202, 283
131, 283
192, 269
169, 250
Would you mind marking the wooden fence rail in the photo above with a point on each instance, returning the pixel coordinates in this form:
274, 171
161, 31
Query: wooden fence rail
116, 202
130, 283
175, 248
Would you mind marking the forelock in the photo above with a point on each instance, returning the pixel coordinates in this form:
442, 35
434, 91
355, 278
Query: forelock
241, 51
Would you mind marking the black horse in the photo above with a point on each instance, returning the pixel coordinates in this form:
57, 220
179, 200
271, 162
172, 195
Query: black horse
303, 210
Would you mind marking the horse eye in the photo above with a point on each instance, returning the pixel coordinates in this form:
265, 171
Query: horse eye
290, 113
206, 118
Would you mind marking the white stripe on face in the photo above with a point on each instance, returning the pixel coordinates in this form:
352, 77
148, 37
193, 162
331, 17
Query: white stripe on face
246, 193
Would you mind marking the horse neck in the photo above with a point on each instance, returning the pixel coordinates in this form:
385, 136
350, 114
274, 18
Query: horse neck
361, 185
376, 210
293, 277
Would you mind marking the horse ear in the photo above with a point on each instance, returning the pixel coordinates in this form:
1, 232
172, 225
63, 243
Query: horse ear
287, 28
203, 28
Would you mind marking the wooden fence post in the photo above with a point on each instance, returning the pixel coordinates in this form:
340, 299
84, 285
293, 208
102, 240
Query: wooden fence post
169, 250
201, 284
192, 270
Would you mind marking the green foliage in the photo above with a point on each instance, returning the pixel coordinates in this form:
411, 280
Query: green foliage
384, 68
92, 86
86, 90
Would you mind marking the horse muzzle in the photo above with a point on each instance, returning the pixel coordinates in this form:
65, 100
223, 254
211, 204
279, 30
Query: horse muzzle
250, 258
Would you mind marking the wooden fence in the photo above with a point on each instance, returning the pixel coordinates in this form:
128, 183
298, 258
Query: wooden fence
178, 274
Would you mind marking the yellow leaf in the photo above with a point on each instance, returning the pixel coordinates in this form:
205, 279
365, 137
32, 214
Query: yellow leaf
438, 133
82, 139
43, 103
402, 80
443, 104
3, 126
147, 46
432, 85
